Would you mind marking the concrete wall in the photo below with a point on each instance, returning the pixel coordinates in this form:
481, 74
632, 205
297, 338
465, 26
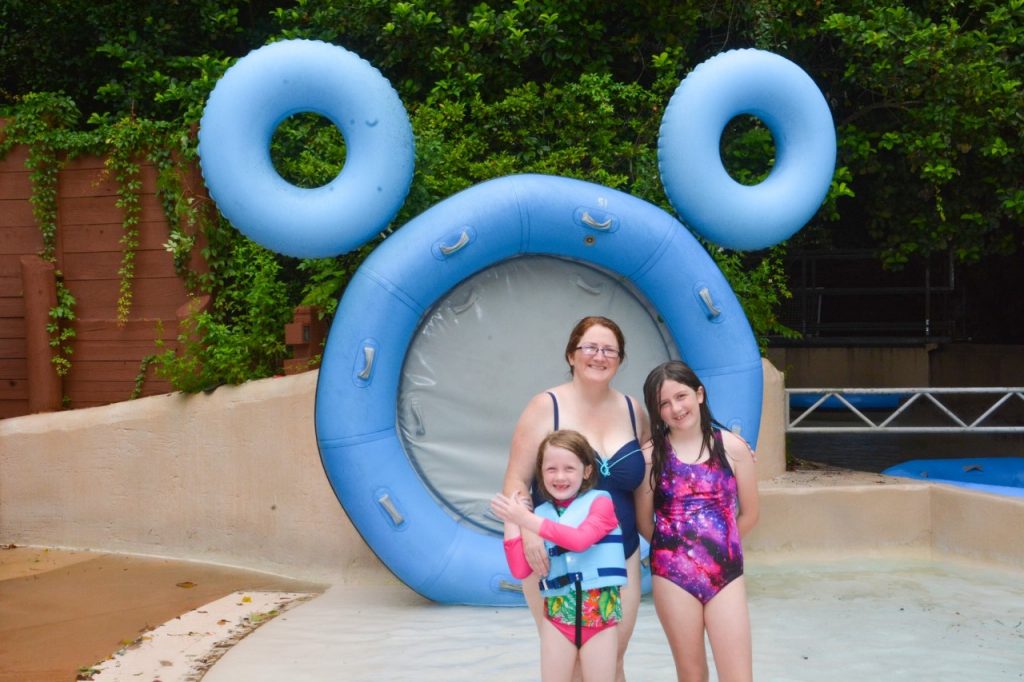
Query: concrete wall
771, 437
931, 520
955, 364
977, 526
977, 365
834, 519
852, 367
234, 477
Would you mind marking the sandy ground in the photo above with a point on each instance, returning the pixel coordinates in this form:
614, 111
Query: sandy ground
65, 610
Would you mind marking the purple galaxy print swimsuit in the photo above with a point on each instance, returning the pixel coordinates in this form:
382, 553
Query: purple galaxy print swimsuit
696, 542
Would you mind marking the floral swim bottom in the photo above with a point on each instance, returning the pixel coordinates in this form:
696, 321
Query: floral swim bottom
601, 609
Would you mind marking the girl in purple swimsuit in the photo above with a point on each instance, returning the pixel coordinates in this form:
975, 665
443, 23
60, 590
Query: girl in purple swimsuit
700, 501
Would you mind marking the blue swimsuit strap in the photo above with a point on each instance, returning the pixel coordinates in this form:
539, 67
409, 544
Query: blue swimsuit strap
632, 417
554, 401
606, 468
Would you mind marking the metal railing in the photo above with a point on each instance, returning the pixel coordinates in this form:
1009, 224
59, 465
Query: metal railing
827, 408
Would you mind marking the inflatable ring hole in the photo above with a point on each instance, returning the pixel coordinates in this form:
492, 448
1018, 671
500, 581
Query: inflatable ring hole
747, 149
307, 150
486, 348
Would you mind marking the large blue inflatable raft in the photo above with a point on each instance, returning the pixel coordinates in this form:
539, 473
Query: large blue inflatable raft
433, 546
379, 314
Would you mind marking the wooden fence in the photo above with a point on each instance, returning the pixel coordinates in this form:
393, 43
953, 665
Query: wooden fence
107, 356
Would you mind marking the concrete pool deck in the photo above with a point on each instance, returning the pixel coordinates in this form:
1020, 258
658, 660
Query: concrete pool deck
900, 613
233, 479
907, 611
891, 618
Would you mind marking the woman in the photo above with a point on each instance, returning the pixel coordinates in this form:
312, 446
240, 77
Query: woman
703, 499
614, 424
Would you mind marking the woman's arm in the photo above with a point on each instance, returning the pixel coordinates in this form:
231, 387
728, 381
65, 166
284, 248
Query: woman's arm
532, 427
741, 458
643, 498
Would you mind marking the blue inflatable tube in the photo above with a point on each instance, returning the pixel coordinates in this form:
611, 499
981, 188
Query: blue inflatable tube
248, 104
381, 309
997, 475
784, 97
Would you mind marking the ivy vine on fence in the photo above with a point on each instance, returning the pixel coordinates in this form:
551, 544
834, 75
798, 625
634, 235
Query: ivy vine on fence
46, 124
43, 124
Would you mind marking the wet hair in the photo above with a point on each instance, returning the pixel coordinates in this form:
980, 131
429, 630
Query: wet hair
678, 371
577, 444
583, 326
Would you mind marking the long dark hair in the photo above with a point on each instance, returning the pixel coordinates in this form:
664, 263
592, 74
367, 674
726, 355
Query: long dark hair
576, 443
676, 370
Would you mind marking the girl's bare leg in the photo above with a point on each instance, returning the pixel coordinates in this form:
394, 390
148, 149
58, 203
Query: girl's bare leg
597, 657
682, 617
558, 656
728, 623
534, 600
630, 594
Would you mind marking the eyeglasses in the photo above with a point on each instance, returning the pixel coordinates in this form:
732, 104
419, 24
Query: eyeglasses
590, 350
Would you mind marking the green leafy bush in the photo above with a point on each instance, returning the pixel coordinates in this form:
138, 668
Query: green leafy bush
926, 99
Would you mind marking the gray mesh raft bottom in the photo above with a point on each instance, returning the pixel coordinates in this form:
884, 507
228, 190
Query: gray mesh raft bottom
486, 348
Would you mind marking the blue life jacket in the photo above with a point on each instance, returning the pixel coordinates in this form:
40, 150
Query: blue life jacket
603, 564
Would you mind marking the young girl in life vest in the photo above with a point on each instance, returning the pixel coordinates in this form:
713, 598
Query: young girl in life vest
581, 590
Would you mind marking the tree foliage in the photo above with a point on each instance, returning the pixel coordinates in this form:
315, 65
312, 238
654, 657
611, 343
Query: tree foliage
927, 100
140, 57
926, 97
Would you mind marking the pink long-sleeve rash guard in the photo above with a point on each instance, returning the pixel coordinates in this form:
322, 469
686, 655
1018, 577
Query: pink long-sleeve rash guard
599, 522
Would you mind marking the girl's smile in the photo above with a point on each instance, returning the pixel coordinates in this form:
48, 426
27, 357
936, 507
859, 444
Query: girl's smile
563, 473
679, 405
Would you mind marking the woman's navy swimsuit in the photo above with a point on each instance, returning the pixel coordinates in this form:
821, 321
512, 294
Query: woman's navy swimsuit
621, 474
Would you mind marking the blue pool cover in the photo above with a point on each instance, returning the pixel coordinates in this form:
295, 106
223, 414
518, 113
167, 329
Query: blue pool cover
862, 401
1000, 475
